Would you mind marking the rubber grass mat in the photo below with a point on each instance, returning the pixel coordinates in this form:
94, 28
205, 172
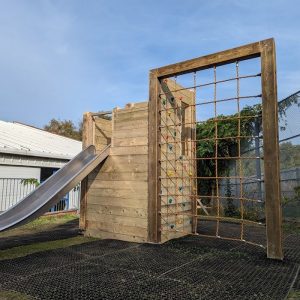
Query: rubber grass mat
192, 267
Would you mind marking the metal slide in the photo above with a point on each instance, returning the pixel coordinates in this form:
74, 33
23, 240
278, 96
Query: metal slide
53, 189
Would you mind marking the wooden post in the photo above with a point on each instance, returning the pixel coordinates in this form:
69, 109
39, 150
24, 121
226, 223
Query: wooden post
87, 139
271, 150
266, 50
154, 222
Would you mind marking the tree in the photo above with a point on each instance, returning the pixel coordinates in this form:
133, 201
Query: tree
65, 128
227, 127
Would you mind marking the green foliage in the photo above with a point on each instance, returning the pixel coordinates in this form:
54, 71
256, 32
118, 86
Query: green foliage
289, 155
285, 201
65, 128
30, 181
226, 127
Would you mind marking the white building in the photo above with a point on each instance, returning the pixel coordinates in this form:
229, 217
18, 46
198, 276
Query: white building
29, 152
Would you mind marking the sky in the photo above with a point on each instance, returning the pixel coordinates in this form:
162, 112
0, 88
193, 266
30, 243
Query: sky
59, 59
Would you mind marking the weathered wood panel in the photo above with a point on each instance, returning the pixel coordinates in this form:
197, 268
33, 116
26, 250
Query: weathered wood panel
98, 232
118, 191
271, 151
87, 139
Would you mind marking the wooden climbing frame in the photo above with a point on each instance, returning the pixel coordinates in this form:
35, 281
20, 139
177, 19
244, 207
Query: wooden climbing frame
174, 201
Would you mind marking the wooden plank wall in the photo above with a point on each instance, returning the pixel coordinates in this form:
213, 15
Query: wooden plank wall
96, 131
177, 169
117, 197
102, 133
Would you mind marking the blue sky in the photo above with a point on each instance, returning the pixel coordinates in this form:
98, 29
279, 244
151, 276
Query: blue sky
62, 58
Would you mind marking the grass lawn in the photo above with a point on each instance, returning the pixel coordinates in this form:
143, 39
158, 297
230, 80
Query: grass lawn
38, 247
12, 295
45, 223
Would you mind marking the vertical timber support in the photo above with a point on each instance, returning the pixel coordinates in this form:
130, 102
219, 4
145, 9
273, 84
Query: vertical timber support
271, 150
87, 140
266, 51
154, 222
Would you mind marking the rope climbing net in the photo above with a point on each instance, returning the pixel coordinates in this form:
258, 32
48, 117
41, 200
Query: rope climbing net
211, 153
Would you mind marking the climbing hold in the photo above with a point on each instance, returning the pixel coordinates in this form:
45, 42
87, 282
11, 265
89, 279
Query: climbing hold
180, 188
191, 174
174, 133
183, 204
170, 147
170, 173
180, 98
165, 80
170, 200
164, 101
181, 157
172, 226
172, 99
169, 113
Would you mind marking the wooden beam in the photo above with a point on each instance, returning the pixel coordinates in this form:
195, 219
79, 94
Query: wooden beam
266, 50
154, 232
87, 139
271, 150
206, 62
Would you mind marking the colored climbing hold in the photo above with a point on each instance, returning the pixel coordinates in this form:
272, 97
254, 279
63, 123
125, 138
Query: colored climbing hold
191, 174
174, 133
181, 157
170, 200
172, 226
164, 101
180, 98
172, 99
180, 188
170, 173
170, 146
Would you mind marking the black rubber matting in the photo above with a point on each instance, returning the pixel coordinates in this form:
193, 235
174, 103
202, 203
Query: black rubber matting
192, 267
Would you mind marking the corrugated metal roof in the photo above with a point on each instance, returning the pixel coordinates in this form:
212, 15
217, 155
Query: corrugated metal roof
21, 139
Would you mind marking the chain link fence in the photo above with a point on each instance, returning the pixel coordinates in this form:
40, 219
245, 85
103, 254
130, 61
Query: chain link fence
289, 138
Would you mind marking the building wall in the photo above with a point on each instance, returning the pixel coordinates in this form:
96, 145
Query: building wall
117, 191
19, 172
13, 189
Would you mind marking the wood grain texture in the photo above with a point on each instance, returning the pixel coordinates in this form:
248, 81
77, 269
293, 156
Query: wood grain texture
154, 233
271, 151
206, 62
118, 191
87, 139
110, 235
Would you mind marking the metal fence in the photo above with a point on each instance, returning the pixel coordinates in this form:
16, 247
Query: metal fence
12, 190
289, 137
289, 146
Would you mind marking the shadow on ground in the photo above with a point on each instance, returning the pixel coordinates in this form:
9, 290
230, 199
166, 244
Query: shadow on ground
62, 231
192, 267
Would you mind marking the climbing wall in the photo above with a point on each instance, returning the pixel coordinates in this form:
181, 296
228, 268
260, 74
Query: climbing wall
237, 145
177, 168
